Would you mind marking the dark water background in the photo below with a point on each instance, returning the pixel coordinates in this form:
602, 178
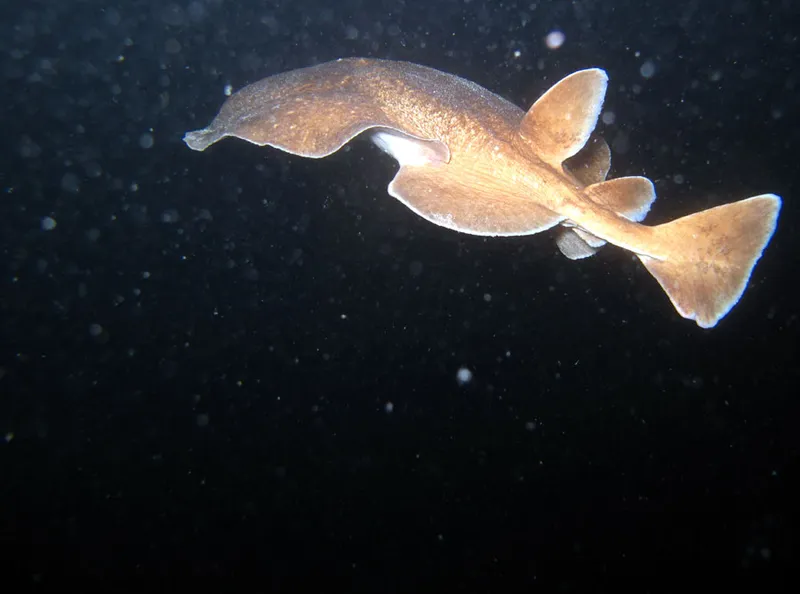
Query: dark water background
197, 362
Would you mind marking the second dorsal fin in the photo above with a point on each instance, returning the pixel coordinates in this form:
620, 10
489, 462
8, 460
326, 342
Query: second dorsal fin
629, 196
560, 122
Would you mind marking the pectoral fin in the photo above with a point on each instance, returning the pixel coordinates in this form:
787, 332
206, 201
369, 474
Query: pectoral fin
437, 194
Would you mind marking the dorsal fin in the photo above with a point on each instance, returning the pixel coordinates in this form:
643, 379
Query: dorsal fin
629, 196
560, 122
591, 164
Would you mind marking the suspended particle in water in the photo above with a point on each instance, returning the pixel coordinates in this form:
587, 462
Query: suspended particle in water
463, 376
146, 140
555, 39
648, 69
71, 183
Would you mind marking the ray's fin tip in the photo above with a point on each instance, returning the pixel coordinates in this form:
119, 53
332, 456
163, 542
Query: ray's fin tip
199, 140
603, 74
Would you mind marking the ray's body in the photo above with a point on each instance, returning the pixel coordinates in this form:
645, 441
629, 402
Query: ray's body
474, 162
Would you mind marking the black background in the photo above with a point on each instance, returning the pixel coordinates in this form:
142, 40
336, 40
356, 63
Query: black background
197, 360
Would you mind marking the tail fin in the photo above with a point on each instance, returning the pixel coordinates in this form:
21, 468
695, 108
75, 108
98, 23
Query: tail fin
710, 255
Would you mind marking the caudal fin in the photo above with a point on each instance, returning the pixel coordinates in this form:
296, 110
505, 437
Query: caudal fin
711, 254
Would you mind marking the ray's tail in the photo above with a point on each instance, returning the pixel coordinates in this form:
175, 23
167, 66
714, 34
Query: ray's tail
711, 255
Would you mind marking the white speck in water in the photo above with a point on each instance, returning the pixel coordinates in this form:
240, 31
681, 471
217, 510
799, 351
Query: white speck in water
388, 407
93, 169
350, 32
464, 376
48, 224
146, 141
170, 216
228, 91
172, 46
71, 183
95, 330
555, 39
678, 178
648, 69
487, 297
609, 117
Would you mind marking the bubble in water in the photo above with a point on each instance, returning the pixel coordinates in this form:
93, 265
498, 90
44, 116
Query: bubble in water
146, 141
463, 376
196, 11
95, 330
172, 14
93, 169
170, 216
113, 17
648, 69
350, 32
555, 39
71, 183
172, 46
48, 224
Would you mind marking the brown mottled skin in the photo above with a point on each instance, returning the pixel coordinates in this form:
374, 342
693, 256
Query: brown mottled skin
496, 170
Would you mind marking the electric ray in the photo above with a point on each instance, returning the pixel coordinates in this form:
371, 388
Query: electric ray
473, 162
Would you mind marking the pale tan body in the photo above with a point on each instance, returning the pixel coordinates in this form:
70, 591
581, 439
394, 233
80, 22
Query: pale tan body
473, 162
